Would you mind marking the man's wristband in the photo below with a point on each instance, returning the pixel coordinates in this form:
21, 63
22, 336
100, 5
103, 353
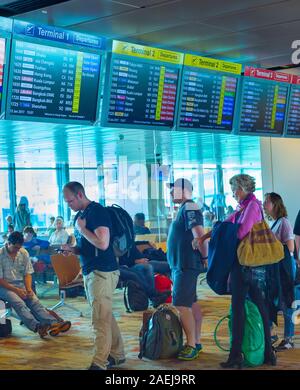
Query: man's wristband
204, 258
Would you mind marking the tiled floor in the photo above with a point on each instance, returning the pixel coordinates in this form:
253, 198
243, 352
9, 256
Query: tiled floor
25, 350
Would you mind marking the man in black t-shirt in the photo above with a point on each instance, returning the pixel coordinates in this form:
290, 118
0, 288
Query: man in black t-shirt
100, 272
185, 264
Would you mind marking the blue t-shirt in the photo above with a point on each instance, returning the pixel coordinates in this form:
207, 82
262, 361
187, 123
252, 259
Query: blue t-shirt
92, 258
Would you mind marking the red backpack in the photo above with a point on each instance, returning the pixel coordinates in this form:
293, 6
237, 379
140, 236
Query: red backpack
163, 283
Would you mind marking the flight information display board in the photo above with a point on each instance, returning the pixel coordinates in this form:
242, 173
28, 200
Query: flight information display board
142, 87
264, 102
293, 116
2, 64
208, 94
52, 83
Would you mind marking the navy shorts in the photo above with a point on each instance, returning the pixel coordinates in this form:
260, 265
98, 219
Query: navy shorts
184, 287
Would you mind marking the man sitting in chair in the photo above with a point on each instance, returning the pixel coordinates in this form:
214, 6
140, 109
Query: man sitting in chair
16, 289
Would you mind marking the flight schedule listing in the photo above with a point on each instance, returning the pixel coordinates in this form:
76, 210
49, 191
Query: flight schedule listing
293, 120
208, 100
2, 62
263, 106
142, 92
53, 82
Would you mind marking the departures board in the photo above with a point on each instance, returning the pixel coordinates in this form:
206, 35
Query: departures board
208, 94
263, 102
142, 87
49, 82
54, 74
2, 65
293, 115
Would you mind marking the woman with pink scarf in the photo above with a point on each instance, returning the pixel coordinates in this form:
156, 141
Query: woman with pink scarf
245, 281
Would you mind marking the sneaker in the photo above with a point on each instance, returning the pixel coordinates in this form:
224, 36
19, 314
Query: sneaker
112, 362
94, 367
188, 353
59, 327
199, 348
42, 330
284, 345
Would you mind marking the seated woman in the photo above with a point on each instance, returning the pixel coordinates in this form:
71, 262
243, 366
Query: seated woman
59, 236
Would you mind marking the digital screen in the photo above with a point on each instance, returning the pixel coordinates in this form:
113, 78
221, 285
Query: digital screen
263, 106
2, 62
52, 82
142, 92
293, 119
207, 100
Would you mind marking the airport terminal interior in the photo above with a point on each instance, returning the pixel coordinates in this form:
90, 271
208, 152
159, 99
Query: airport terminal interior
126, 97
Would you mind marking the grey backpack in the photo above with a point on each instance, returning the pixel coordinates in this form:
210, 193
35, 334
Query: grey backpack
161, 335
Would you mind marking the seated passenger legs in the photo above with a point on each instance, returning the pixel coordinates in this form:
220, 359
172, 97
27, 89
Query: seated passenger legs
16, 289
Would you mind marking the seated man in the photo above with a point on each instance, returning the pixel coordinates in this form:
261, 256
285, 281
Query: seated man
133, 266
16, 289
139, 224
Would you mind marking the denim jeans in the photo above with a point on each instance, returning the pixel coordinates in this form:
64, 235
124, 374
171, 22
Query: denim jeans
30, 310
160, 267
142, 274
289, 326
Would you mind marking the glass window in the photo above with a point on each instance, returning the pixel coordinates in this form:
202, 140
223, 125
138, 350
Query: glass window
39, 186
4, 199
88, 178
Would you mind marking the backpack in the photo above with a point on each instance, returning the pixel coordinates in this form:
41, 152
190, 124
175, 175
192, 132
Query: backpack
253, 346
161, 335
163, 283
135, 297
121, 234
5, 328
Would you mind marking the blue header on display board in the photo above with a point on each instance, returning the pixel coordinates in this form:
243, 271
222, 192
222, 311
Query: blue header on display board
57, 34
5, 24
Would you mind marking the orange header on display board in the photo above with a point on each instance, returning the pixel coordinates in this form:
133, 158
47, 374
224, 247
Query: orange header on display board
267, 74
296, 80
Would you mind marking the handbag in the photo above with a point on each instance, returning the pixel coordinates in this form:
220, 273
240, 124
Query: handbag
260, 247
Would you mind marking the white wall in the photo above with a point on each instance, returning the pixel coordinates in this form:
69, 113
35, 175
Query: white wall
280, 168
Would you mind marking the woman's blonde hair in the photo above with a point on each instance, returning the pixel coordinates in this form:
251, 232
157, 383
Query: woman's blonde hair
243, 182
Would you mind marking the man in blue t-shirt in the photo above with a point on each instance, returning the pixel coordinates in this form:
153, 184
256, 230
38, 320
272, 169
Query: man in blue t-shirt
186, 264
100, 272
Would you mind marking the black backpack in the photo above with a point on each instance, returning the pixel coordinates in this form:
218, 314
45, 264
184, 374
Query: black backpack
135, 297
122, 235
6, 328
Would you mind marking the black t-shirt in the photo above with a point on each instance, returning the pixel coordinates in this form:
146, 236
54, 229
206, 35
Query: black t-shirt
297, 225
180, 253
93, 258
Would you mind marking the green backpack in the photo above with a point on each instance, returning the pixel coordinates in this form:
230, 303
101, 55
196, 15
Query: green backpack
253, 346
161, 336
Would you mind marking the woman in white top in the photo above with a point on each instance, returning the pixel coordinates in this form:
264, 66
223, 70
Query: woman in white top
281, 227
59, 236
